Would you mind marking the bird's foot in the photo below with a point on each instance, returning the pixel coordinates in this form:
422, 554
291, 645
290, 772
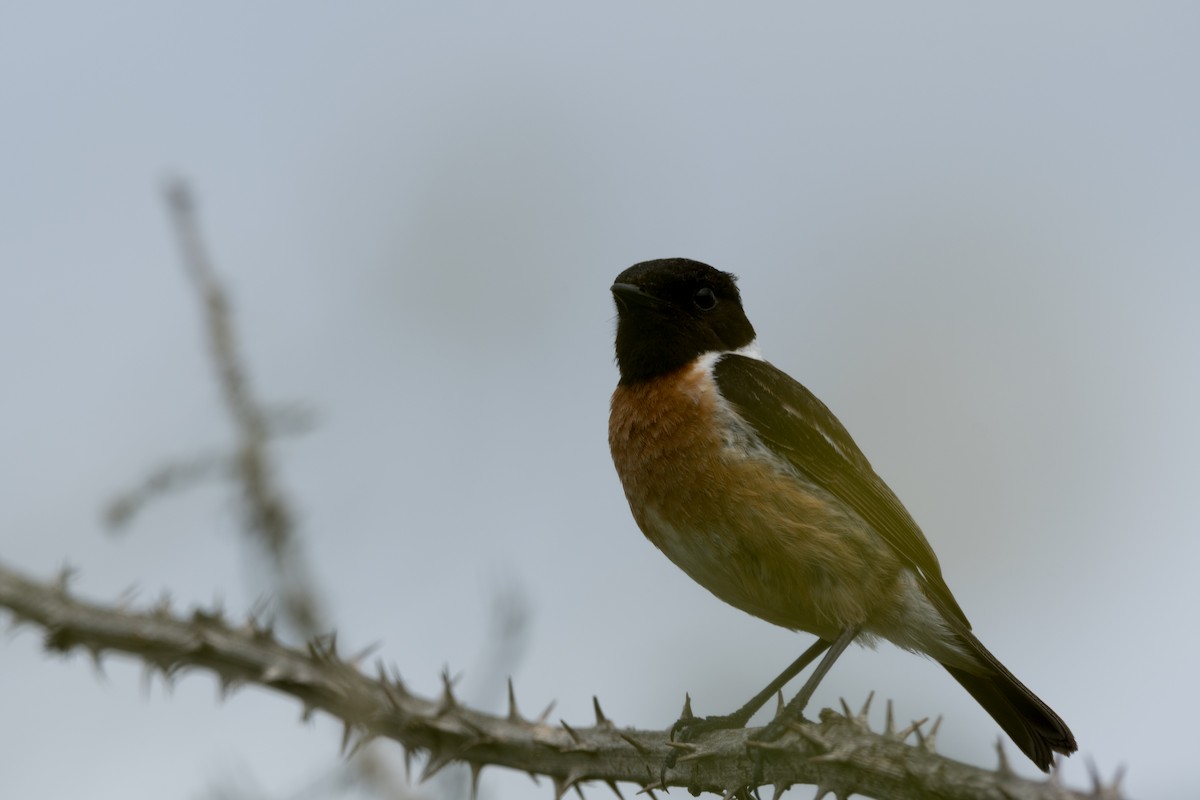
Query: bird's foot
776, 728
689, 727
762, 741
689, 730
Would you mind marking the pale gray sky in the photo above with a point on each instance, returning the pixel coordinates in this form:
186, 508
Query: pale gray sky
971, 231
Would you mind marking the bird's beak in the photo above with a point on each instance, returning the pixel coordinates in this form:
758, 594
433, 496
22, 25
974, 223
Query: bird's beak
628, 295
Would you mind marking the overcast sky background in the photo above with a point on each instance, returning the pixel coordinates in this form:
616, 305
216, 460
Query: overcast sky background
973, 232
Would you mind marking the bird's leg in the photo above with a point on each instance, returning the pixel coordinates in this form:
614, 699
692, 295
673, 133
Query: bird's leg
795, 709
688, 727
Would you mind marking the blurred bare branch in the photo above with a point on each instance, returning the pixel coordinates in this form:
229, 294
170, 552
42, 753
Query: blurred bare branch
268, 516
184, 473
269, 520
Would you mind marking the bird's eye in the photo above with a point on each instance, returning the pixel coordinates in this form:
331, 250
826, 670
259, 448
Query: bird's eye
704, 299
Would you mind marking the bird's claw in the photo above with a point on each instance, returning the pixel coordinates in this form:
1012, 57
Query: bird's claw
689, 728
774, 729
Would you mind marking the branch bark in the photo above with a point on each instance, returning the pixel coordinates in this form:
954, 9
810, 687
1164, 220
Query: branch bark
839, 753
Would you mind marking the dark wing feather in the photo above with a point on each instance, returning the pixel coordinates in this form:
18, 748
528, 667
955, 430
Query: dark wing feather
795, 425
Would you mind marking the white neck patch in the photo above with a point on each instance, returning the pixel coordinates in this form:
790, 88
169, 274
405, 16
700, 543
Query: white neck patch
750, 351
706, 361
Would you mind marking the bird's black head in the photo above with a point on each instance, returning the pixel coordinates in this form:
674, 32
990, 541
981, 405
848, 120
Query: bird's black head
671, 310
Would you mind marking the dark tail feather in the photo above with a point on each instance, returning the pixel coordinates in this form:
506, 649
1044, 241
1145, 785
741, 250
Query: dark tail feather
1031, 724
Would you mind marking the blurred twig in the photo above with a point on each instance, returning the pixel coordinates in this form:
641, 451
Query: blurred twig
183, 473
269, 520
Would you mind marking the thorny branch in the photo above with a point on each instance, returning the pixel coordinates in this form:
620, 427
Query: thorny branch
839, 754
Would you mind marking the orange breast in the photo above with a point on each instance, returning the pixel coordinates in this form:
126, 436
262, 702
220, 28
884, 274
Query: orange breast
737, 519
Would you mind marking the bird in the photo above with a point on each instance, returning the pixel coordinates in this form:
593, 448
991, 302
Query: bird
749, 484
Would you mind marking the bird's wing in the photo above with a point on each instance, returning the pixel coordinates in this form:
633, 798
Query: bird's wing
795, 425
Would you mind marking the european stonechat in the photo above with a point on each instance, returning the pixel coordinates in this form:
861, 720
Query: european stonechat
745, 480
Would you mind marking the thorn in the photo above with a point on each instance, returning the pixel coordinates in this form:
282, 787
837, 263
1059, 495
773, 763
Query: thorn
392, 693
601, 720
476, 771
1094, 773
1118, 779
650, 787
533, 777
316, 650
398, 682
697, 756
262, 630
162, 607
408, 757
226, 686
62, 581
779, 704
168, 671
513, 714
732, 792
904, 734
214, 617
684, 747
846, 712
447, 702
1003, 767
127, 596
546, 713
147, 676
865, 712
687, 708
306, 712
929, 740
1055, 772
347, 735
641, 748
780, 788
571, 731
562, 785
613, 785
361, 655
889, 728
433, 766
362, 741
97, 655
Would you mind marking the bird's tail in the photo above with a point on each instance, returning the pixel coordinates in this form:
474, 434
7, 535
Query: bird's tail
1028, 721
